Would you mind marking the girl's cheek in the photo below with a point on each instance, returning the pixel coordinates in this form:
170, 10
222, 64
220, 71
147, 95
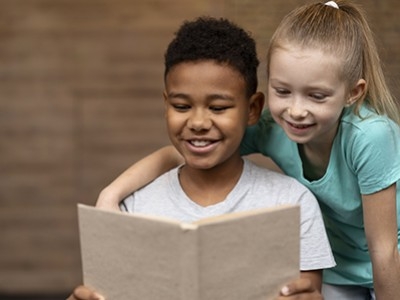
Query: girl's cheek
275, 108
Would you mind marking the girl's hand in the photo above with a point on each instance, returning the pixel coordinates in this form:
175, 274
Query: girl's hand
108, 200
138, 175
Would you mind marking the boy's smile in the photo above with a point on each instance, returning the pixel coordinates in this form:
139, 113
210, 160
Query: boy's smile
207, 111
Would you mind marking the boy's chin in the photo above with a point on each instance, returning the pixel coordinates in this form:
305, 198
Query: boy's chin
201, 166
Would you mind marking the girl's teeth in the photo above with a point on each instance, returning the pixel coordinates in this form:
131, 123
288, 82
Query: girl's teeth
300, 126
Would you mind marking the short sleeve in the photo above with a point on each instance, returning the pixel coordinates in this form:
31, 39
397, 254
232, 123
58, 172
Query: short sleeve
375, 155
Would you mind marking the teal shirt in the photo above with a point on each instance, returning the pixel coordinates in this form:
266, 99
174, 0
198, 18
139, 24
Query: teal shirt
365, 158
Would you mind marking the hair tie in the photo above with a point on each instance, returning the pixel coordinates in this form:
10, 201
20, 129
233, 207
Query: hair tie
332, 4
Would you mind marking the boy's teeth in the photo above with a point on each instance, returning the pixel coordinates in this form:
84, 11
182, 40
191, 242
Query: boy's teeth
200, 143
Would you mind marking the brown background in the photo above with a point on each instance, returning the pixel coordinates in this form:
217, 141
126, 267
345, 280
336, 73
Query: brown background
80, 100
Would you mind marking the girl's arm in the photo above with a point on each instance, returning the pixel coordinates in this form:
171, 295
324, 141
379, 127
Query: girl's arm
138, 175
380, 219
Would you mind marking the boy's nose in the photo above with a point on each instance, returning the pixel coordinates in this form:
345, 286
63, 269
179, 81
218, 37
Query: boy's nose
199, 121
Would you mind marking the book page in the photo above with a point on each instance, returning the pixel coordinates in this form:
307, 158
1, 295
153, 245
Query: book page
251, 257
126, 257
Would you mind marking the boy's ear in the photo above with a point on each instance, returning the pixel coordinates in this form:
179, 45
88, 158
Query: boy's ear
165, 98
256, 106
165, 95
357, 92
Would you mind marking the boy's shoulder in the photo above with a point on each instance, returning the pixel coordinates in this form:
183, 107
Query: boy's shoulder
271, 188
273, 181
269, 174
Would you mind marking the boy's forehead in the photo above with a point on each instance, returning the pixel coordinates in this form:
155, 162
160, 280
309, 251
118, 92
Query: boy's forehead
199, 61
204, 63
205, 76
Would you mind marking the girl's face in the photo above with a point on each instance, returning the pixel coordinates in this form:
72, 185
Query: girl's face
305, 94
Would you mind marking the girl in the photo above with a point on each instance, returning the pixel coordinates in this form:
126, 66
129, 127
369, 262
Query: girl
332, 124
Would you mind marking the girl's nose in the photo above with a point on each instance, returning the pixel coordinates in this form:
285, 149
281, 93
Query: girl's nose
297, 110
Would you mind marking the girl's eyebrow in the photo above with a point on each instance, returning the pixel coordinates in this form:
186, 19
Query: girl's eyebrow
277, 81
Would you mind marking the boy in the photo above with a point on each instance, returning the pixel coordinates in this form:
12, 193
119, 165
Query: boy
210, 98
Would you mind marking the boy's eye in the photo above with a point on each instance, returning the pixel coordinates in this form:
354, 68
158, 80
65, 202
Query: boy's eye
181, 107
218, 108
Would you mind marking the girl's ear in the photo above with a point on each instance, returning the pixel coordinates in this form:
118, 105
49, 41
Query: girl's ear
357, 92
256, 106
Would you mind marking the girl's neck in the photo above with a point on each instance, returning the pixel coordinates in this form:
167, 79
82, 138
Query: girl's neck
315, 155
315, 159
210, 186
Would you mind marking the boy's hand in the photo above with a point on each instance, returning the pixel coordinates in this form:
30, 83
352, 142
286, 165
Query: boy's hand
84, 293
306, 286
301, 288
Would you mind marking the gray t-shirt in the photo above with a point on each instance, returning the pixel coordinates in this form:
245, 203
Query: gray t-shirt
256, 188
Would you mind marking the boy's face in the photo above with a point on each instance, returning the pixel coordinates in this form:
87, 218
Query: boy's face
207, 112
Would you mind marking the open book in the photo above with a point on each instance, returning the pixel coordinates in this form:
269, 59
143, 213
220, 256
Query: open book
243, 256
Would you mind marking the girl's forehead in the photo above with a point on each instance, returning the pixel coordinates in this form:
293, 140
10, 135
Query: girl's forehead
301, 50
304, 55
304, 65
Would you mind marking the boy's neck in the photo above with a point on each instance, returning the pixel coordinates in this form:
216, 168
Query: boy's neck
210, 186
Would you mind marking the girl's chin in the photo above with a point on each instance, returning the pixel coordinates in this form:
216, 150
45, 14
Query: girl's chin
297, 139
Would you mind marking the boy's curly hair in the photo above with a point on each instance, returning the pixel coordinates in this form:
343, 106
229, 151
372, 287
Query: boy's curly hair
208, 38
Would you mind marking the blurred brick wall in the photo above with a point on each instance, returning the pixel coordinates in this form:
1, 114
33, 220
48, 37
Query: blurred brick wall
80, 100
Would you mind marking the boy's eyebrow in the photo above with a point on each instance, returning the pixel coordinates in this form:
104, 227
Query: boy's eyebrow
209, 97
221, 96
177, 95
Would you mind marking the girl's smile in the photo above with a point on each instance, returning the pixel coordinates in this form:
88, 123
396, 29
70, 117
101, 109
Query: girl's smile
299, 129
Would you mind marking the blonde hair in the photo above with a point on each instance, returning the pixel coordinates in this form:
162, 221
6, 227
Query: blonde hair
345, 33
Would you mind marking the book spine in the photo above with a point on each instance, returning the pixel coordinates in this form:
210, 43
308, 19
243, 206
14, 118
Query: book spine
189, 263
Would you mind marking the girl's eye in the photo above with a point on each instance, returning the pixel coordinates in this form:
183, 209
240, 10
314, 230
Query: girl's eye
318, 96
282, 91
